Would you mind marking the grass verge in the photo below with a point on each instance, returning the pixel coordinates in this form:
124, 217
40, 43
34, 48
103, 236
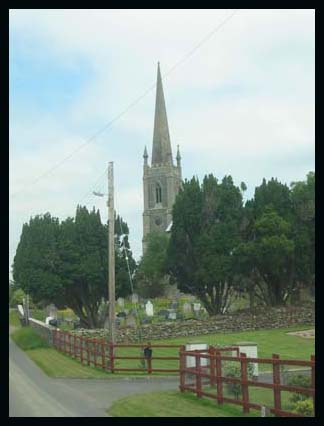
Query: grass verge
26, 338
14, 318
56, 364
173, 404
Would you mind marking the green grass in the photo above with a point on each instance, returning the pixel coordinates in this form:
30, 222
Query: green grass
26, 338
176, 404
268, 341
173, 404
14, 318
56, 364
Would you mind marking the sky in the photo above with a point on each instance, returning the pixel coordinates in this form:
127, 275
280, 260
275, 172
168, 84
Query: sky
240, 99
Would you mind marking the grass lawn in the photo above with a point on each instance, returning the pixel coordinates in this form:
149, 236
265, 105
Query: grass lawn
14, 318
56, 364
268, 341
173, 404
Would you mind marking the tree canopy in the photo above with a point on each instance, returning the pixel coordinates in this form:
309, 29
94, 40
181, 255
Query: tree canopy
205, 230
151, 277
66, 263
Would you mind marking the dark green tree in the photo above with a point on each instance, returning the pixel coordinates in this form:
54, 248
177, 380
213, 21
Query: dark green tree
303, 201
66, 263
268, 258
151, 276
205, 231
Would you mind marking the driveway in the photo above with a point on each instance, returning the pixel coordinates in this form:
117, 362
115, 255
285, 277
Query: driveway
33, 394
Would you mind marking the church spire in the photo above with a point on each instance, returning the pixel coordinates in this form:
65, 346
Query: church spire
161, 151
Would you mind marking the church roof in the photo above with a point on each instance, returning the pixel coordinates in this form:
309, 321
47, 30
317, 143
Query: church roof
161, 150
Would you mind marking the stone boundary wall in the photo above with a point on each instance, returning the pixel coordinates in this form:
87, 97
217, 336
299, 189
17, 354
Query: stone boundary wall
264, 318
42, 329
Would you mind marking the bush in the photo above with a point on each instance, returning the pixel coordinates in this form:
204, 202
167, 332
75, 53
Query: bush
26, 338
302, 381
305, 408
233, 369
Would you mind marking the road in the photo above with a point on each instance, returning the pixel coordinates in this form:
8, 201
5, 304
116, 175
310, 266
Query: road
33, 394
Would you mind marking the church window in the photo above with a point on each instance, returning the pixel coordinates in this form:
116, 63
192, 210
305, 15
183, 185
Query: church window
158, 193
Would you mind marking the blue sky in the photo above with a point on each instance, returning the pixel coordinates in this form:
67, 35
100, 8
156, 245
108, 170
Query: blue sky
242, 104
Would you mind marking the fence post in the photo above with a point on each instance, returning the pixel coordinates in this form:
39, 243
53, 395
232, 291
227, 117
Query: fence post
87, 340
182, 366
81, 349
245, 386
103, 354
149, 365
95, 352
70, 343
198, 374
65, 341
219, 381
74, 345
276, 383
111, 357
313, 380
212, 365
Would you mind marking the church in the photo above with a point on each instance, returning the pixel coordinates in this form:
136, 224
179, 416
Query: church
161, 179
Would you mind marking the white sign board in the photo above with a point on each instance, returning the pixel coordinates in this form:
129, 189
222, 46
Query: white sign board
251, 351
191, 360
21, 310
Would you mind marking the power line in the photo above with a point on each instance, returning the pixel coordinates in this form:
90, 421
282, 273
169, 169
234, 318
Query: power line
118, 116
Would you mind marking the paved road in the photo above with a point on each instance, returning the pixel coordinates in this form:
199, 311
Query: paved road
33, 394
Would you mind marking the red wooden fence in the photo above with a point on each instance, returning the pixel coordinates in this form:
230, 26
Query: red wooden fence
100, 353
212, 374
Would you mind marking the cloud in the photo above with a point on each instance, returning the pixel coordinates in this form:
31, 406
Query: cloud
242, 104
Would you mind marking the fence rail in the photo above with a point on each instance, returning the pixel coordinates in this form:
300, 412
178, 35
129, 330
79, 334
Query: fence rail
212, 376
103, 354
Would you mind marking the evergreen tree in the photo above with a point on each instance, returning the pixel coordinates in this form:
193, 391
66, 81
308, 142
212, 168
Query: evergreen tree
66, 263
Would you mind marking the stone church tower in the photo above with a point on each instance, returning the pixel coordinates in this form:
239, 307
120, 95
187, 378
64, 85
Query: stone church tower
161, 179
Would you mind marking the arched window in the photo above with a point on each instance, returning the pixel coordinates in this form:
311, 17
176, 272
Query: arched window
158, 193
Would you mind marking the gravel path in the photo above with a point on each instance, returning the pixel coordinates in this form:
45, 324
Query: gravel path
33, 394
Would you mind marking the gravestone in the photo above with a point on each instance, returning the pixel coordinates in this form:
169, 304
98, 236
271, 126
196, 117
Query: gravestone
163, 313
134, 298
196, 307
130, 321
120, 302
186, 308
51, 311
121, 314
173, 315
149, 309
173, 305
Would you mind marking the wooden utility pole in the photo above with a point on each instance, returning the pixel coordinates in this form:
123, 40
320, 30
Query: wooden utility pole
111, 250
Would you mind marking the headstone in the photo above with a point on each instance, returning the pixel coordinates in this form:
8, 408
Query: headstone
120, 302
130, 321
149, 309
186, 308
196, 307
173, 305
121, 314
51, 311
172, 315
163, 313
134, 298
